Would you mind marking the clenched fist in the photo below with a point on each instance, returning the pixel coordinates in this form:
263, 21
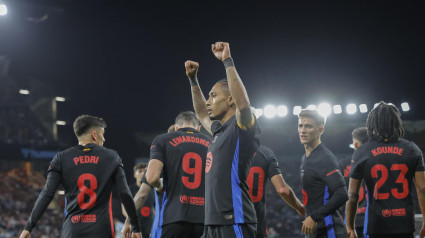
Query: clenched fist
221, 50
191, 68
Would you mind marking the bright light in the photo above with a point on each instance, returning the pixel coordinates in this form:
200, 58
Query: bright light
351, 108
269, 111
60, 99
282, 111
363, 108
259, 112
24, 91
297, 110
3, 9
376, 104
60, 123
405, 107
324, 109
311, 107
337, 109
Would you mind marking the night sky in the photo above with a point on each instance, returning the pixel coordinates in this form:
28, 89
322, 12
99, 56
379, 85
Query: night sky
124, 60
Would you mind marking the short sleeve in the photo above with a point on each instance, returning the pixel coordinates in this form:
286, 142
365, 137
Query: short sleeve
157, 149
273, 165
357, 167
55, 164
252, 132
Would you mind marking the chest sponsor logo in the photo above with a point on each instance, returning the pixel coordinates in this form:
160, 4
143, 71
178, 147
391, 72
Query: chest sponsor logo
398, 212
91, 218
209, 162
198, 201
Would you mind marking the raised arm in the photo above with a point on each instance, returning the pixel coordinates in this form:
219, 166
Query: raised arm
286, 193
237, 89
198, 99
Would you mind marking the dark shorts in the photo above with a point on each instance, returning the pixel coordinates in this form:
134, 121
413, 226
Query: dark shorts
359, 231
231, 231
182, 230
339, 230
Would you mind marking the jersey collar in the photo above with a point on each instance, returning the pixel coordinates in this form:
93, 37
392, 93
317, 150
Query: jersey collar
188, 130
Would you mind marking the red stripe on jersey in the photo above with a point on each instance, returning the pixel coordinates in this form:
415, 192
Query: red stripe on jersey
332, 172
110, 216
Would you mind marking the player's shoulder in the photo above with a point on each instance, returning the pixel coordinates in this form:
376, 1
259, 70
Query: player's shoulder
326, 154
266, 152
165, 137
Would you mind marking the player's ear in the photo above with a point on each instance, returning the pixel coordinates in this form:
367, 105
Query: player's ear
198, 128
230, 100
176, 128
321, 129
356, 144
93, 135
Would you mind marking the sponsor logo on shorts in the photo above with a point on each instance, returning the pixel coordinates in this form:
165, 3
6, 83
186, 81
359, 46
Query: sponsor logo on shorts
198, 201
83, 218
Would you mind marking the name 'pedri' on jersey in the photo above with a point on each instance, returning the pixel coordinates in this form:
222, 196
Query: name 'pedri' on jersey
324, 191
229, 159
263, 166
388, 170
183, 153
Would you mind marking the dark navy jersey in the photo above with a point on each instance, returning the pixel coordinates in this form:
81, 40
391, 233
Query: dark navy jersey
146, 214
229, 159
388, 170
88, 173
362, 202
264, 166
184, 154
323, 188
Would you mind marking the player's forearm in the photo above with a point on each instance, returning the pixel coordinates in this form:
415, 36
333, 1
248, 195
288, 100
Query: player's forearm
141, 195
289, 197
44, 199
350, 209
421, 199
127, 200
199, 104
238, 92
338, 198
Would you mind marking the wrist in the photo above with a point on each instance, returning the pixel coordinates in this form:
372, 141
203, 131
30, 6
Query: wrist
193, 81
228, 62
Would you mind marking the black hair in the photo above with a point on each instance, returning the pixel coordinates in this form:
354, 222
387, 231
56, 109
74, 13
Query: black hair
84, 123
360, 134
384, 123
140, 165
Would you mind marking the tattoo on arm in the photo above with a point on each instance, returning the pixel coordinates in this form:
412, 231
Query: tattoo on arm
199, 104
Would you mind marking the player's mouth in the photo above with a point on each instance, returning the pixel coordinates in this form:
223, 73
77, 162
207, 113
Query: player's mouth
209, 110
303, 137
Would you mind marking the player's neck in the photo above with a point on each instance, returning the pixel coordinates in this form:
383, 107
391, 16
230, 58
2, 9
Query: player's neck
84, 142
138, 183
311, 146
229, 114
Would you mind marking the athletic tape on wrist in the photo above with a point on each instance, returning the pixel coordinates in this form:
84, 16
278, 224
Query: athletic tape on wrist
228, 62
144, 180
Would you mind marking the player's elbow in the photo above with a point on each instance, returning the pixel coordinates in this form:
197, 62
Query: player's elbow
152, 178
352, 198
283, 191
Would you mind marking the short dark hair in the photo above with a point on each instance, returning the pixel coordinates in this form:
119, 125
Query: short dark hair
84, 123
384, 123
313, 114
187, 117
140, 165
360, 134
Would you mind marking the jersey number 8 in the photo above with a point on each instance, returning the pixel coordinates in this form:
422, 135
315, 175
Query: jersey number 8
89, 191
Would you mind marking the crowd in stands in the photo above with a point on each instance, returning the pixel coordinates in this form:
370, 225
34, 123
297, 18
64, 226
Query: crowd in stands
18, 194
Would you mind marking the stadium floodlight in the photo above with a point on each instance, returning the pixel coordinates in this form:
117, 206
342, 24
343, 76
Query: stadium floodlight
282, 110
351, 108
324, 109
269, 111
259, 112
405, 107
312, 107
60, 99
363, 108
24, 91
60, 123
3, 9
297, 110
337, 109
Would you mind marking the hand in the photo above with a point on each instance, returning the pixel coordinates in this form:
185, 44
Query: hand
422, 235
126, 230
137, 235
25, 234
221, 50
308, 226
351, 232
301, 210
191, 68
